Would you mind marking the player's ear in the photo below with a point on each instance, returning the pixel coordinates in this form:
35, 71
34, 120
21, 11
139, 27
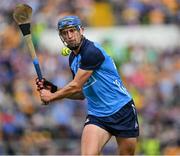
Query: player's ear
81, 30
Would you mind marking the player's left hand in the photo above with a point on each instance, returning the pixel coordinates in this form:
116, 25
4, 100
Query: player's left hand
46, 95
44, 84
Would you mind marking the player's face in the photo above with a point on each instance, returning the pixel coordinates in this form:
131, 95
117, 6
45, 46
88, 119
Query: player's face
71, 36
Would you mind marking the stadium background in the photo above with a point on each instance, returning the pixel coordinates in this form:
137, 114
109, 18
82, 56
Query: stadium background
142, 36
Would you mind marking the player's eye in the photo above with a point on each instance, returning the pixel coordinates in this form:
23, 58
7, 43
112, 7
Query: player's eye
72, 30
65, 32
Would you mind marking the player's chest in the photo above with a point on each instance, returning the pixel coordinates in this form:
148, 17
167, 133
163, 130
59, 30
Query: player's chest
76, 64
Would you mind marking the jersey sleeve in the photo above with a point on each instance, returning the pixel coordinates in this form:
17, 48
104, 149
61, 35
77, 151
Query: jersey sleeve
92, 59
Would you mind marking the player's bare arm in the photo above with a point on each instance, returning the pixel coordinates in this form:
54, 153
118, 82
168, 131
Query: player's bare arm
77, 96
71, 90
43, 83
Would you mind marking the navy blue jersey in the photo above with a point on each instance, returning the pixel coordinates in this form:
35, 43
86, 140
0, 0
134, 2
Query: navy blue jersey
104, 90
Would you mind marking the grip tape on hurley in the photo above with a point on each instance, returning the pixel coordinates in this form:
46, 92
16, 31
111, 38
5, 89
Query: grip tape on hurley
25, 28
37, 67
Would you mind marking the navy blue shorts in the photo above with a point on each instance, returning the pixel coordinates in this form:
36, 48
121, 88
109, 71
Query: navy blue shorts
123, 123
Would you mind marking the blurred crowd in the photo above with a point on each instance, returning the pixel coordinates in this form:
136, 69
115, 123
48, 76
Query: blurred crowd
100, 12
152, 76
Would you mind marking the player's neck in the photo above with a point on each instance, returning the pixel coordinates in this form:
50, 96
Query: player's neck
76, 52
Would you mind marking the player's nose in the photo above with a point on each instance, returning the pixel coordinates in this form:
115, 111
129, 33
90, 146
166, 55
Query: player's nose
69, 34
